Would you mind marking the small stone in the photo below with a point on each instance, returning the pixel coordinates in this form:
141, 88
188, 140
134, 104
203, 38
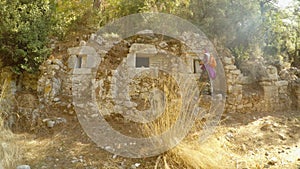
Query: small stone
45, 120
273, 161
228, 60
266, 154
265, 127
163, 44
23, 167
60, 120
266, 166
82, 43
50, 123
228, 136
56, 99
244, 147
240, 107
74, 161
282, 136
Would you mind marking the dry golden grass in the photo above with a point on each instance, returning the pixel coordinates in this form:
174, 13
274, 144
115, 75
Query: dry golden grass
210, 154
9, 151
190, 153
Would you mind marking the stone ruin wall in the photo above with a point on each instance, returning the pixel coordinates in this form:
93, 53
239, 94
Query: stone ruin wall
245, 93
269, 93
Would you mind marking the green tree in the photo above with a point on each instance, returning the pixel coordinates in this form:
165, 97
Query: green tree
72, 15
24, 30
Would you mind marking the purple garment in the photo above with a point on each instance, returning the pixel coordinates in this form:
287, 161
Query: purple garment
211, 71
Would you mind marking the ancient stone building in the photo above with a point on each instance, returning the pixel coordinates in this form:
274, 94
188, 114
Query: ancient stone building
258, 90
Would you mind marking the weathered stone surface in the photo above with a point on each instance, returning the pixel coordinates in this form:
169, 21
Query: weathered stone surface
228, 61
143, 48
57, 79
281, 83
230, 67
83, 57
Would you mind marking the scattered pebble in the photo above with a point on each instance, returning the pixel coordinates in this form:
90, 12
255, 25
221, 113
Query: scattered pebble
137, 164
273, 161
244, 147
56, 99
282, 136
163, 44
266, 154
60, 120
23, 167
229, 136
50, 123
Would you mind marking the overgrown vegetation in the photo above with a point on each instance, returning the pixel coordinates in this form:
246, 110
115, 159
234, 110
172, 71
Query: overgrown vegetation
241, 26
24, 34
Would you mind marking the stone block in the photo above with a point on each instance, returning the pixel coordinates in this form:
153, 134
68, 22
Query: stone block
83, 57
239, 107
235, 90
271, 73
228, 61
143, 48
245, 80
249, 105
82, 71
281, 83
266, 83
230, 67
236, 72
270, 92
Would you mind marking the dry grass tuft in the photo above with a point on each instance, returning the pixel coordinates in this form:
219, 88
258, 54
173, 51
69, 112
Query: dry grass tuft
210, 154
190, 154
9, 151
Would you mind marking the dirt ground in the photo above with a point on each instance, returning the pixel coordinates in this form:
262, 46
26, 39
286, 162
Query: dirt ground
254, 140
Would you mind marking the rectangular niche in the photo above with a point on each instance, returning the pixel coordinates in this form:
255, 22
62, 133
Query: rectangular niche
142, 61
197, 66
81, 61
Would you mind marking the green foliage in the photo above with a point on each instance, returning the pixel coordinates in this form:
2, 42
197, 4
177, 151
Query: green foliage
240, 53
177, 7
113, 9
67, 16
24, 30
242, 25
245, 26
281, 35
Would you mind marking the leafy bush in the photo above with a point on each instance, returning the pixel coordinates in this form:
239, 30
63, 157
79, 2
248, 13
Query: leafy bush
24, 30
